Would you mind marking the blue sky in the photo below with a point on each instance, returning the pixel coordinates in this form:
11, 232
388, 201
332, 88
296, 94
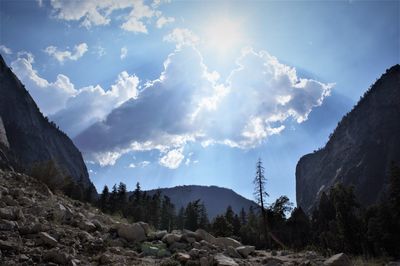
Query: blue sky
188, 92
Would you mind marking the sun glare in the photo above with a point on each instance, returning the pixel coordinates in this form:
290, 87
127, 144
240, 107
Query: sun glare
223, 35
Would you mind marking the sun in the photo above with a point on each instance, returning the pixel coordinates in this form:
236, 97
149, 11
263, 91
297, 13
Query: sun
223, 35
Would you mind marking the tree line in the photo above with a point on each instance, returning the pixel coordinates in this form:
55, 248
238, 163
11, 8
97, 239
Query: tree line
338, 223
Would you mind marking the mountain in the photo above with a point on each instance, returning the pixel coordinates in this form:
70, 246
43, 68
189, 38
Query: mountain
216, 199
28, 139
360, 150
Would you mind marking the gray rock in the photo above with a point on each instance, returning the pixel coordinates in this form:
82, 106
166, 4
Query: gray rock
7, 213
222, 260
57, 256
340, 259
132, 232
204, 235
232, 252
157, 235
178, 246
87, 226
48, 239
182, 257
204, 261
6, 225
245, 250
225, 242
171, 238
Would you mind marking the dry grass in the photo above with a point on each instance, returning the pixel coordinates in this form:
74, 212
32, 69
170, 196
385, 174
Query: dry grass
360, 261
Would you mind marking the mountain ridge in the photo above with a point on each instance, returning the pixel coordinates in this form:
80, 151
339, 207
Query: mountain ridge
216, 201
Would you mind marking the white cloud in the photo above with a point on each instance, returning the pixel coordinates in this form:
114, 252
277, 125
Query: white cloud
100, 51
139, 165
92, 104
99, 13
61, 56
73, 109
162, 21
181, 37
5, 49
188, 103
124, 52
134, 21
50, 96
172, 159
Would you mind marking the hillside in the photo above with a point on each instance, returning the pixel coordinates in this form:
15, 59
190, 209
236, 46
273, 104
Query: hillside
216, 199
360, 150
39, 227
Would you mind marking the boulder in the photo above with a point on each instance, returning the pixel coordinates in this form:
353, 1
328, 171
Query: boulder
178, 246
57, 256
182, 257
87, 226
157, 235
6, 225
171, 238
340, 259
233, 253
204, 235
222, 260
48, 239
245, 250
7, 213
145, 227
131, 232
225, 242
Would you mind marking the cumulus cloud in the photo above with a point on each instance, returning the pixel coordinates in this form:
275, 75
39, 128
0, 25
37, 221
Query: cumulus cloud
92, 104
161, 117
124, 52
73, 109
5, 49
162, 21
172, 159
134, 21
61, 56
189, 103
181, 37
99, 13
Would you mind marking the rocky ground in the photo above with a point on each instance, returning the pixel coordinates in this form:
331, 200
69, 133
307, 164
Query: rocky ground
38, 227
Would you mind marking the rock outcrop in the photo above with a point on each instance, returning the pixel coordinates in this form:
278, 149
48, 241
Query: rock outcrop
360, 150
27, 138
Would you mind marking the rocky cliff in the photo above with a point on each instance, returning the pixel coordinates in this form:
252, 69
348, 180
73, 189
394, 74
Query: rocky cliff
360, 150
27, 139
215, 199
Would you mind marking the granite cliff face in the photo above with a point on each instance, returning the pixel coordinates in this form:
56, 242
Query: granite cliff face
360, 150
28, 139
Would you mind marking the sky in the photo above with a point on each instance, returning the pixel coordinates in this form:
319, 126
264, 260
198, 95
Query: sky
170, 93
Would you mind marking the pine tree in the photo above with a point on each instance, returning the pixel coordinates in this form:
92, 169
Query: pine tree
243, 216
167, 216
260, 195
104, 199
229, 214
113, 199
180, 219
204, 223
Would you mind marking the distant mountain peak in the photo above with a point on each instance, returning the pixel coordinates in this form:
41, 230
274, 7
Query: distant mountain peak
216, 199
